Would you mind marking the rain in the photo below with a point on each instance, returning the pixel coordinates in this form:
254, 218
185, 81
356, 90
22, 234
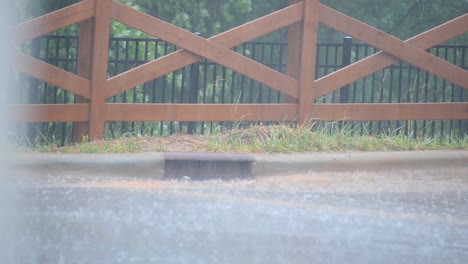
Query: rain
227, 67
330, 217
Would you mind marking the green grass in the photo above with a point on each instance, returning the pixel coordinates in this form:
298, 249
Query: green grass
287, 139
275, 139
125, 145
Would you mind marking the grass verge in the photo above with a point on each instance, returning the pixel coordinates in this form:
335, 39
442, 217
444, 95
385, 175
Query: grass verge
123, 145
264, 139
288, 139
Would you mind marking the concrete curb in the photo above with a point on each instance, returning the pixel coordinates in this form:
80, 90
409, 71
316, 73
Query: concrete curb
359, 161
151, 165
147, 165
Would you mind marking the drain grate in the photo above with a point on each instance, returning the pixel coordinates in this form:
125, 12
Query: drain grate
204, 166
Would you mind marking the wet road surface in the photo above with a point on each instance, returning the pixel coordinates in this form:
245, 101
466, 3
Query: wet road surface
400, 217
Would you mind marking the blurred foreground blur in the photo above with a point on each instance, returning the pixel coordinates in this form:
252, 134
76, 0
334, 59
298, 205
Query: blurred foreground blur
7, 205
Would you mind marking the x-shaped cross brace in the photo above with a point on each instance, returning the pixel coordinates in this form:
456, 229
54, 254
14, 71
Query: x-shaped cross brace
196, 48
393, 50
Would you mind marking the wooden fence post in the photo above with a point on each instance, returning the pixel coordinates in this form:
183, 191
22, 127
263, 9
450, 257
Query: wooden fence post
308, 59
97, 115
294, 52
85, 54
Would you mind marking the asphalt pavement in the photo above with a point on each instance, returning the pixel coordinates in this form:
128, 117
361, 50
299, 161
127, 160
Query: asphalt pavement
335, 217
397, 207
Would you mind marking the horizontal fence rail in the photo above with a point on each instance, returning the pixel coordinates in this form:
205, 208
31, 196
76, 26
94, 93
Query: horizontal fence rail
181, 82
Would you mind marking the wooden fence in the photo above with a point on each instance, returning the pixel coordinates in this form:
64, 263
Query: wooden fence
92, 86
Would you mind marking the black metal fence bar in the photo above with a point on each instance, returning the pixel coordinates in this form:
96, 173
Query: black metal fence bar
207, 82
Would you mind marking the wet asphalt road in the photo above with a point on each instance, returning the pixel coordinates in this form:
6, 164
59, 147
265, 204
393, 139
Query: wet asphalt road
404, 217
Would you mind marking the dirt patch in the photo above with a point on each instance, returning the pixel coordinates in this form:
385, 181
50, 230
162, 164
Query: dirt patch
174, 143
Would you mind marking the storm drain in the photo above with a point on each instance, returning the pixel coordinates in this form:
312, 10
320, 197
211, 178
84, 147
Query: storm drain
204, 166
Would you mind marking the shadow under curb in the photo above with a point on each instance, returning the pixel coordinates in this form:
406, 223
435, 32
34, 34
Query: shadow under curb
204, 166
